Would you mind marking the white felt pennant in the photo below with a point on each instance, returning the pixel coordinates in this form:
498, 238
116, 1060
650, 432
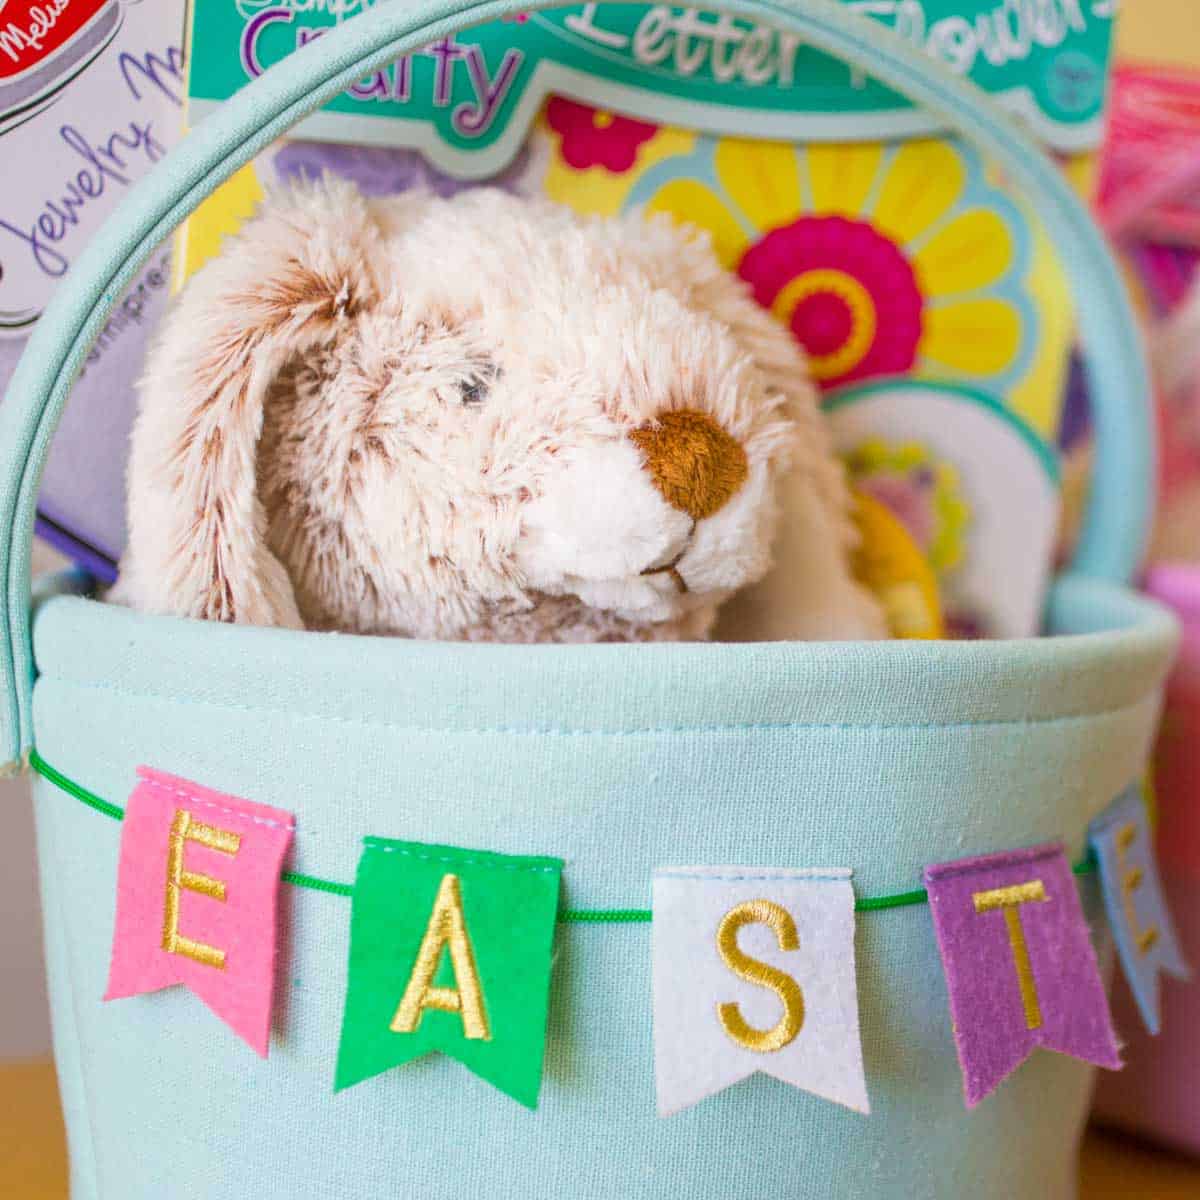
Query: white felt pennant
774, 992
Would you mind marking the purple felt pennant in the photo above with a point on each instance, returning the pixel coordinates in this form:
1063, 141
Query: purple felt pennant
1019, 964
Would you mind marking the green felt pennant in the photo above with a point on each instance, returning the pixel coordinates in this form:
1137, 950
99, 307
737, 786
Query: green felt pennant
449, 950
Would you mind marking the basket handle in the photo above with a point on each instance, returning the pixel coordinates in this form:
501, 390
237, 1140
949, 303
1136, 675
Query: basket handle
1120, 507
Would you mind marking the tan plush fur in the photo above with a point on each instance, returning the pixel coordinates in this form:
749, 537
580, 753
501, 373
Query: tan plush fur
415, 416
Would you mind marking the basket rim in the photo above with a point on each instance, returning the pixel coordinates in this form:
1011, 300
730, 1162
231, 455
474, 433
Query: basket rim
1115, 654
1113, 534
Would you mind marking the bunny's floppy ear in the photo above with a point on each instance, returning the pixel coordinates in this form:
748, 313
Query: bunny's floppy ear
285, 286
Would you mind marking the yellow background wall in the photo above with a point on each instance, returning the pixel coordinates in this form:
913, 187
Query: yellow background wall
1160, 30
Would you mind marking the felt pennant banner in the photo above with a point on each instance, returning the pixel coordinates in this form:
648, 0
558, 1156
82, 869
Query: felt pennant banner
197, 898
1133, 898
754, 971
1019, 964
450, 950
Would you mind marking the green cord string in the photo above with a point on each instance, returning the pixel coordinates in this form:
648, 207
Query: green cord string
605, 916
571, 916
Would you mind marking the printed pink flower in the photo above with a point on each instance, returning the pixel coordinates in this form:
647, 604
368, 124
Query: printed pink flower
594, 137
848, 292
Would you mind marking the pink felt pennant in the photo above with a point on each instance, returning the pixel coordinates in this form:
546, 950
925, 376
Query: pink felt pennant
197, 899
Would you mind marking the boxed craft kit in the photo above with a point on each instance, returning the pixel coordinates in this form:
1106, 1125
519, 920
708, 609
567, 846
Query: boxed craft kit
810, 177
91, 97
924, 290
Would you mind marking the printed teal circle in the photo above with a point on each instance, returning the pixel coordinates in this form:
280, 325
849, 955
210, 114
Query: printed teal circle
1074, 82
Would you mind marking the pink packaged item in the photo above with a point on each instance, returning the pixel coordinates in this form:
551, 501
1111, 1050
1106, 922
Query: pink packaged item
1149, 204
1150, 184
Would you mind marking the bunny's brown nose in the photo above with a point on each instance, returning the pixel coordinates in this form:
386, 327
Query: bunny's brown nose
695, 464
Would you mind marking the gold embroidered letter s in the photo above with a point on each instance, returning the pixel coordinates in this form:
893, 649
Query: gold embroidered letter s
183, 830
447, 927
760, 912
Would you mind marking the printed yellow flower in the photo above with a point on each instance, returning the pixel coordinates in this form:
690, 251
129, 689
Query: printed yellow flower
884, 260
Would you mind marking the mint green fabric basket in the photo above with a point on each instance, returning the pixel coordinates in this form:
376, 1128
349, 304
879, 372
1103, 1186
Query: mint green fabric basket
620, 759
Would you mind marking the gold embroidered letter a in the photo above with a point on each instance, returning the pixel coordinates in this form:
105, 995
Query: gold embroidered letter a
447, 928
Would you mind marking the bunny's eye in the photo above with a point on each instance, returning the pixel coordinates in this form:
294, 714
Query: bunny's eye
473, 391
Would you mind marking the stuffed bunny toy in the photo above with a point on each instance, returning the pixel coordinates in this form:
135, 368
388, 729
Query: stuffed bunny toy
480, 418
